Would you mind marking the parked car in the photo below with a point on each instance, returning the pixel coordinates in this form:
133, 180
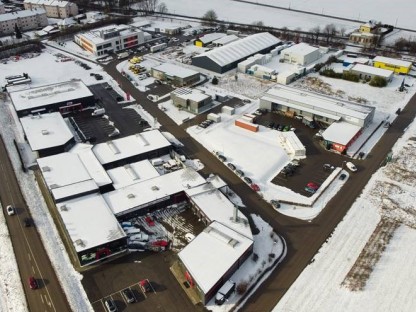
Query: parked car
280, 128
351, 166
342, 176
312, 185
189, 237
255, 187
275, 203
110, 305
145, 285
328, 167
33, 284
10, 210
149, 221
271, 125
247, 180
231, 166
27, 222
246, 101
239, 172
128, 295
222, 158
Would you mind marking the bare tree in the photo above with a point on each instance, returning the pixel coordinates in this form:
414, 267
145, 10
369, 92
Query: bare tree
330, 31
148, 5
162, 8
342, 31
210, 17
316, 32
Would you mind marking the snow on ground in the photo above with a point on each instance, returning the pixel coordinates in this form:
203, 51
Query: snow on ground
12, 296
386, 11
391, 285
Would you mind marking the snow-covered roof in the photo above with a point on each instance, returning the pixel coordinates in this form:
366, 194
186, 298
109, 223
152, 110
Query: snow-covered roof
145, 193
226, 39
300, 49
240, 49
58, 3
49, 94
340, 132
91, 163
97, 35
65, 175
21, 14
316, 103
392, 61
129, 146
355, 60
211, 37
385, 73
132, 173
217, 207
46, 131
89, 222
190, 94
175, 70
212, 253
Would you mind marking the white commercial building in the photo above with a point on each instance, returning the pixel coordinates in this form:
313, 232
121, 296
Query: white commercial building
92, 228
47, 134
301, 54
53, 8
110, 39
367, 72
320, 108
340, 135
212, 257
25, 20
144, 196
139, 146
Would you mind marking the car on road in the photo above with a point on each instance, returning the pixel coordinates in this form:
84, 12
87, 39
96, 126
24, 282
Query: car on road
342, 176
33, 284
328, 167
231, 166
248, 180
239, 172
351, 166
10, 210
128, 295
27, 222
255, 187
110, 305
222, 158
145, 285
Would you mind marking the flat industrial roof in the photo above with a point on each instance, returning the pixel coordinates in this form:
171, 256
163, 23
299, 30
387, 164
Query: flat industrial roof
49, 94
64, 171
60, 3
143, 194
217, 207
191, 94
340, 132
211, 37
385, 73
46, 130
290, 96
129, 146
240, 49
211, 254
132, 173
91, 163
89, 222
389, 60
175, 70
301, 49
226, 39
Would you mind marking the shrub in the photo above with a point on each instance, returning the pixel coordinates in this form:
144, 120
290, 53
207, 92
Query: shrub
318, 67
255, 257
242, 287
378, 82
214, 80
350, 76
329, 72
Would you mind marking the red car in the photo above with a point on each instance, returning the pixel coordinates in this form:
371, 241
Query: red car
145, 285
312, 185
255, 187
33, 284
149, 221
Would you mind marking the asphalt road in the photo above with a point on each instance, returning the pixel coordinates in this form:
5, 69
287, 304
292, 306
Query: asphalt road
303, 238
30, 254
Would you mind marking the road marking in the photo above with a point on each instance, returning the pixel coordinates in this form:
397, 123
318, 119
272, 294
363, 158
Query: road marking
33, 269
41, 298
28, 255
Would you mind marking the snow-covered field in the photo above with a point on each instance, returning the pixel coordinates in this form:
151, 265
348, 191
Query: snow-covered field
391, 284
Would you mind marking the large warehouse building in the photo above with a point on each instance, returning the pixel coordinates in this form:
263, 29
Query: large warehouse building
225, 58
62, 97
301, 54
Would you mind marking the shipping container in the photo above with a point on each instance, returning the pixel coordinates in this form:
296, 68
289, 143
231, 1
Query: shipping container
246, 125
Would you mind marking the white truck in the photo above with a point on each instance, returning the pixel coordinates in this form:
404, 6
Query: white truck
158, 47
122, 55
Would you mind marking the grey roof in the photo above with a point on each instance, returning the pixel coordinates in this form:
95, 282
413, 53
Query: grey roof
240, 49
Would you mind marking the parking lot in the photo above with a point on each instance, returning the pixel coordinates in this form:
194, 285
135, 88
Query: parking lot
311, 168
108, 280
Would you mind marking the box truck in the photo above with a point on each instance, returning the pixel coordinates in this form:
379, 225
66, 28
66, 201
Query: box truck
225, 292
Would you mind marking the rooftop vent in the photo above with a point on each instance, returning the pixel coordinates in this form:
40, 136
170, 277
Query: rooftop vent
130, 196
46, 169
64, 208
79, 242
45, 132
155, 188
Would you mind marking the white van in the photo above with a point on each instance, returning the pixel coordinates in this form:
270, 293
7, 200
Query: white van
157, 162
141, 237
98, 112
132, 231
